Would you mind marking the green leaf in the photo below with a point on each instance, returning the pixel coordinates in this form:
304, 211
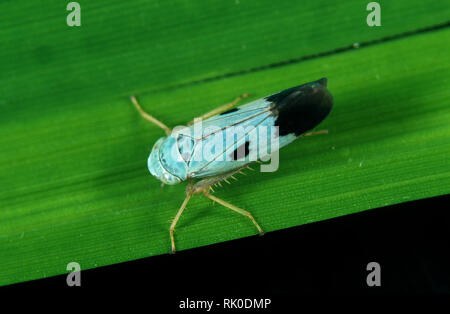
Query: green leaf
73, 176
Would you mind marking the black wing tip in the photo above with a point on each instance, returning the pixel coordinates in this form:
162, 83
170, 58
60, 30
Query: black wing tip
323, 81
301, 108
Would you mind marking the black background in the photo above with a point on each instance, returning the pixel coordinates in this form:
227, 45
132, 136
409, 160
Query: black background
328, 258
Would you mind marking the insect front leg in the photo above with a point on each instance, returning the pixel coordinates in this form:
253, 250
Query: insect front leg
219, 109
177, 217
316, 133
148, 117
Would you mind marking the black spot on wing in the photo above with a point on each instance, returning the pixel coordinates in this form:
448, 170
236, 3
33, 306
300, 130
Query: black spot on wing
241, 152
301, 108
229, 111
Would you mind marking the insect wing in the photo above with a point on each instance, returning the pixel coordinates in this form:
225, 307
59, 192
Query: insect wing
229, 139
233, 139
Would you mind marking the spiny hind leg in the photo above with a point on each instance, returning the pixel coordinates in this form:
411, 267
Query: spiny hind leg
148, 117
219, 109
236, 209
207, 184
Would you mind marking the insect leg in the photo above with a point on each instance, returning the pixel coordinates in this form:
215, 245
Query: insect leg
148, 117
316, 133
175, 220
236, 209
219, 109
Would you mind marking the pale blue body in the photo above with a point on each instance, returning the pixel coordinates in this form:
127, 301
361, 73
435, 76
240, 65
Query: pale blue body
177, 157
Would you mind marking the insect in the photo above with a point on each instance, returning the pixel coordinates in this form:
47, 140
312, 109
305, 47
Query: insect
179, 156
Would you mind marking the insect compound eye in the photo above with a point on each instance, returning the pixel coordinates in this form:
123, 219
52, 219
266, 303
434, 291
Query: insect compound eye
185, 146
